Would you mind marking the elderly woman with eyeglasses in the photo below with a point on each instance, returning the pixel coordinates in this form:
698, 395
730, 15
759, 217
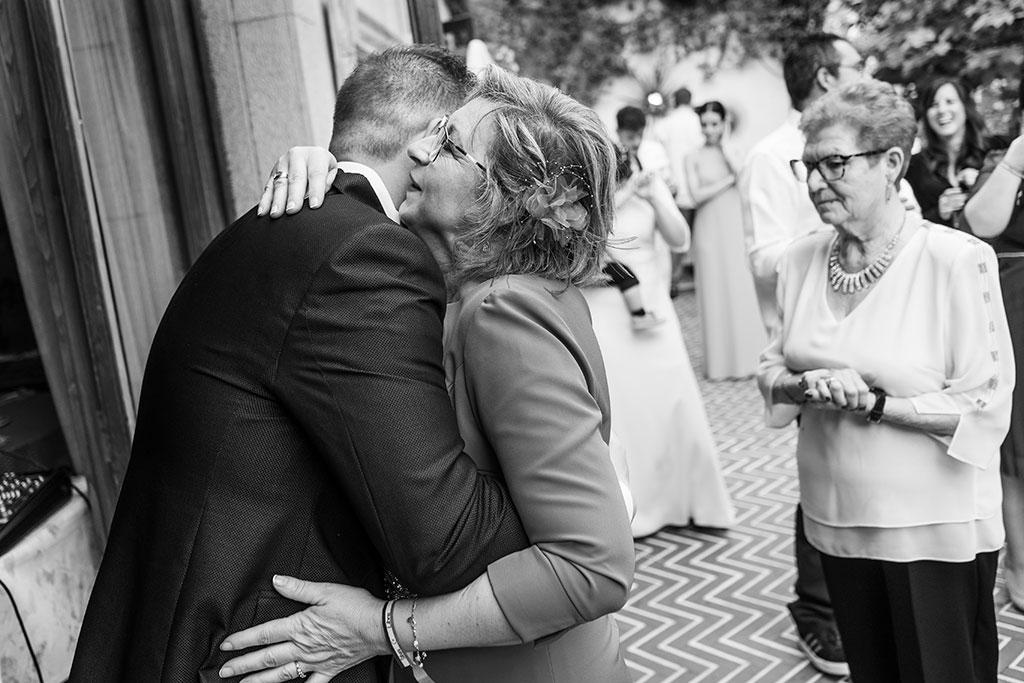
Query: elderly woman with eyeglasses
894, 352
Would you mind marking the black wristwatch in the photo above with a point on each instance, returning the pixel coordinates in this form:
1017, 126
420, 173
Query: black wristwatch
875, 416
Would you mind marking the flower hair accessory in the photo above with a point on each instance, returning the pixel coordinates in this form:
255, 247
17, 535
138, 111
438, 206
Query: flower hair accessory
555, 203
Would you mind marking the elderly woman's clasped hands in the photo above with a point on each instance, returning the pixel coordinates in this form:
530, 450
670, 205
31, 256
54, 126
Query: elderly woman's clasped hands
833, 389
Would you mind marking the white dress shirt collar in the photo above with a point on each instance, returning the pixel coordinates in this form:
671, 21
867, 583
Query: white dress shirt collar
383, 196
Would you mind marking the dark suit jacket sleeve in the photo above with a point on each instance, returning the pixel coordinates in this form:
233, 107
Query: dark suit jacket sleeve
524, 371
362, 371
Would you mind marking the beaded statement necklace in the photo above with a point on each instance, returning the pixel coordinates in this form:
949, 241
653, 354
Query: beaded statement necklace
851, 283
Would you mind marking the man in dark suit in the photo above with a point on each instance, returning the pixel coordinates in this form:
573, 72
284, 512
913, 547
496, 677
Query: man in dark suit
294, 417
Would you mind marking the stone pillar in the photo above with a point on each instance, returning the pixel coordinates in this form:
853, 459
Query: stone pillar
271, 84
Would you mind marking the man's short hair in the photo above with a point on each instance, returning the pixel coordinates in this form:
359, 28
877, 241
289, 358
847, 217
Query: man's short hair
391, 96
631, 118
800, 68
682, 97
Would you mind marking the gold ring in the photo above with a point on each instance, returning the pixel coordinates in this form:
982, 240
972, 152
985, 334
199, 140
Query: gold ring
279, 175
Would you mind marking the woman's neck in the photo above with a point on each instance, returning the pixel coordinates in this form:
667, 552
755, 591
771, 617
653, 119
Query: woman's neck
953, 144
858, 247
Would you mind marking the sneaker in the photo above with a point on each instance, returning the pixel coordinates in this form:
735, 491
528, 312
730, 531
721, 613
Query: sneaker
824, 649
646, 321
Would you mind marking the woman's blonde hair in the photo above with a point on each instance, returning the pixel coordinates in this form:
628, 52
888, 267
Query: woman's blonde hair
546, 205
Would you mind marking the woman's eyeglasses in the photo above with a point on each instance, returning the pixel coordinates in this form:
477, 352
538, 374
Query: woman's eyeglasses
831, 167
443, 141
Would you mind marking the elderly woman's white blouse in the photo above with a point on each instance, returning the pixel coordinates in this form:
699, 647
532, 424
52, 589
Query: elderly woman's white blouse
933, 330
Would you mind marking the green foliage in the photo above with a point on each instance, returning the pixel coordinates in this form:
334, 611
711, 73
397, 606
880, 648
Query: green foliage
578, 44
981, 40
572, 44
759, 27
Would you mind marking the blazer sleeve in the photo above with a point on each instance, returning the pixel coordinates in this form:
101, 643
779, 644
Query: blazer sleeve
362, 371
526, 378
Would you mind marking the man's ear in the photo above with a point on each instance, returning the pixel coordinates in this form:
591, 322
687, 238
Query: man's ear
824, 79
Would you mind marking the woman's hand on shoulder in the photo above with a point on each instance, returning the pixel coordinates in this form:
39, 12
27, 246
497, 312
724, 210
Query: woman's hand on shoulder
341, 628
837, 389
299, 170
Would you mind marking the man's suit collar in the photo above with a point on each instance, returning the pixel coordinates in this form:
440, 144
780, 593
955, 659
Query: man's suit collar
362, 183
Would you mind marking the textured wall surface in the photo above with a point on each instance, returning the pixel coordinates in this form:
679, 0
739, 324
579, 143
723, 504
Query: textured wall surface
50, 572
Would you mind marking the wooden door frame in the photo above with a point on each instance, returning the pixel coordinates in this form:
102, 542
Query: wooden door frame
47, 193
426, 22
51, 213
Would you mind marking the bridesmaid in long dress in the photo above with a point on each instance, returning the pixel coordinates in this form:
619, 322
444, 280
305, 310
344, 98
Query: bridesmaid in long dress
731, 321
657, 410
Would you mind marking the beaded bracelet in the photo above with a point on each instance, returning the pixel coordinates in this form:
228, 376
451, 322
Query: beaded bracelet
389, 629
418, 656
1015, 171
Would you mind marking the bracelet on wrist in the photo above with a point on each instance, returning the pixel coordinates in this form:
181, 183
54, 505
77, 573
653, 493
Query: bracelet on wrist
418, 655
389, 629
1012, 169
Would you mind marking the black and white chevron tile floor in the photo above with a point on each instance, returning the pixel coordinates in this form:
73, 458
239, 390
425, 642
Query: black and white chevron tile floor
709, 605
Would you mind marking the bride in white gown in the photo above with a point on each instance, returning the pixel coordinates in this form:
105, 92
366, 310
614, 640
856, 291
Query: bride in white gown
657, 410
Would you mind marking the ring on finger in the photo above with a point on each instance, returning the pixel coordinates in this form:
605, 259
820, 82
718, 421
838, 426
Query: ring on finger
280, 175
298, 671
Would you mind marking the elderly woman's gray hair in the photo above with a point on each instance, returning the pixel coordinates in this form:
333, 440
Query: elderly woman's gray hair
546, 206
874, 110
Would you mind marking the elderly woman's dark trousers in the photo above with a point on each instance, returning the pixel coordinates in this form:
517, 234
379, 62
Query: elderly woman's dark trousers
812, 607
916, 622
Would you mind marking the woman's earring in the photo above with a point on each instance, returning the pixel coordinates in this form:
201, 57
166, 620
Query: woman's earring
888, 190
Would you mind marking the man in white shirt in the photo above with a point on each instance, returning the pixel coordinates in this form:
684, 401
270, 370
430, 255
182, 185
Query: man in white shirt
679, 133
777, 210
